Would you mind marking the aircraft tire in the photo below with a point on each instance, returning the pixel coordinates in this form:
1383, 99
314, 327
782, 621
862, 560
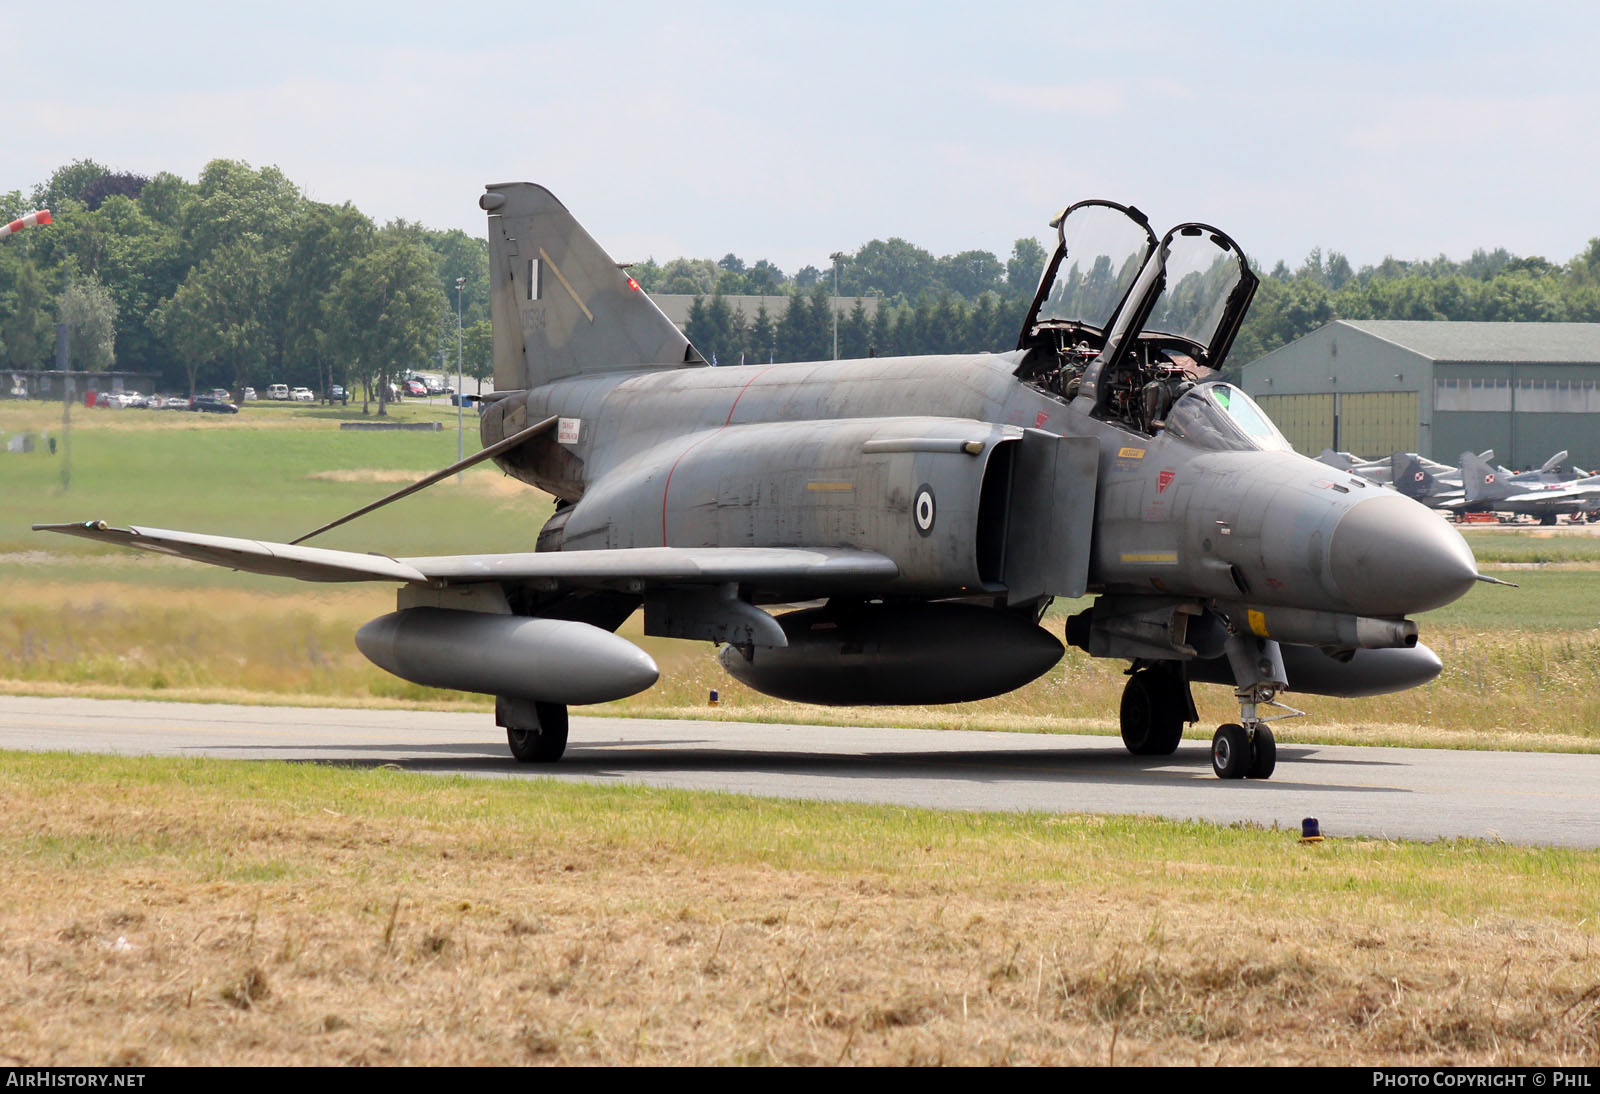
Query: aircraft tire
1263, 754
1151, 714
545, 743
1230, 751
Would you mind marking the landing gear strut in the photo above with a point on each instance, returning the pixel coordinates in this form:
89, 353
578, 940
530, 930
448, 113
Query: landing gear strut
1155, 705
536, 732
1247, 749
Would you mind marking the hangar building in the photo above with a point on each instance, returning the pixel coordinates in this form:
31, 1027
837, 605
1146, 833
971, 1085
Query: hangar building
1378, 386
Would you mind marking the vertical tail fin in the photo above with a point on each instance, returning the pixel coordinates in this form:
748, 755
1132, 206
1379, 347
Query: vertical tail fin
1410, 478
559, 304
1554, 462
1480, 481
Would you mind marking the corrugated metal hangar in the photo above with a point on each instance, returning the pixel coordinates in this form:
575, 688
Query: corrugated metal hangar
1373, 387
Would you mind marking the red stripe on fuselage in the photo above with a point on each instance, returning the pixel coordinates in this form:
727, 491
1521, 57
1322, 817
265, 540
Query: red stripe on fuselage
667, 486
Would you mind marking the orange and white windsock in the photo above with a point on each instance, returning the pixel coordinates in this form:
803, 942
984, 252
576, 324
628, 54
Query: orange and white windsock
40, 217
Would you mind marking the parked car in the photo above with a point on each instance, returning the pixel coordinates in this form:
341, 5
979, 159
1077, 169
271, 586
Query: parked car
278, 391
416, 389
248, 395
302, 395
210, 404
336, 393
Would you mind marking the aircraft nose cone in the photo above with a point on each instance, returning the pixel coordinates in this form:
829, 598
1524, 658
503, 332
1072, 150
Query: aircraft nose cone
1390, 556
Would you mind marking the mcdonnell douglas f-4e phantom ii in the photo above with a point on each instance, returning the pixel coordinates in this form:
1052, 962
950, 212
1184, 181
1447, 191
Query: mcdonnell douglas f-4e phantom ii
935, 505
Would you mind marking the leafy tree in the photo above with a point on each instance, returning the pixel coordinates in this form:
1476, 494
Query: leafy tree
970, 273
477, 353
143, 264
331, 237
220, 316
112, 184
765, 279
233, 202
888, 268
384, 313
91, 318
687, 277
162, 198
1024, 267
27, 324
74, 181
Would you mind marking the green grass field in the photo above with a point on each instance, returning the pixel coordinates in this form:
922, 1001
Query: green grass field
265, 473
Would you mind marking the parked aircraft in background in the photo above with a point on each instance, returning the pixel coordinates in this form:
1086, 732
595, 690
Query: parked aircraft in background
1532, 494
936, 504
1372, 470
1436, 485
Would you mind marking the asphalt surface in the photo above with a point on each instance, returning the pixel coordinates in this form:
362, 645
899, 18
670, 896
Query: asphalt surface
1550, 799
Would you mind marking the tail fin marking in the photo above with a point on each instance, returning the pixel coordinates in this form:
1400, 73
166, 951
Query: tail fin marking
560, 305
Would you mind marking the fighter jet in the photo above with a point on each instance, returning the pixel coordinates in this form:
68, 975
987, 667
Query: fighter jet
1533, 493
1377, 471
933, 505
1436, 485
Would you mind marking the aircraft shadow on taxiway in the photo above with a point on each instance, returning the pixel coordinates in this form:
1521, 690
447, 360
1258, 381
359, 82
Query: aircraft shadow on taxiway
624, 758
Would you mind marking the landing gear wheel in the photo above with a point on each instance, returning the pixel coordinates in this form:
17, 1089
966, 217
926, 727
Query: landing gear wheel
1152, 713
545, 743
1263, 754
1230, 751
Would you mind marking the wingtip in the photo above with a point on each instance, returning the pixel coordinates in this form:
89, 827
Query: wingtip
91, 525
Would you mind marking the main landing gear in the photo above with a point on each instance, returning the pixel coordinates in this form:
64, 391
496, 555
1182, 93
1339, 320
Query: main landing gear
536, 732
1155, 705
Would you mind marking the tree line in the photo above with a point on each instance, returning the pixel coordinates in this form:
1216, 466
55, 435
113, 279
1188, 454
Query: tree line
238, 278
234, 279
973, 302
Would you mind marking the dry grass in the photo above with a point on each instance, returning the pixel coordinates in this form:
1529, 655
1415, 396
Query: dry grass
167, 912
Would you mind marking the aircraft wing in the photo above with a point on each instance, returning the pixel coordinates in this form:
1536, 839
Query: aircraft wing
650, 565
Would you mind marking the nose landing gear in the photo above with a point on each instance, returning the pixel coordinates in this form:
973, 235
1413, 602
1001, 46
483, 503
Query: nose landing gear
1237, 753
1247, 749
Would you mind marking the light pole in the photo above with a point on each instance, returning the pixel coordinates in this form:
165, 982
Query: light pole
835, 257
460, 281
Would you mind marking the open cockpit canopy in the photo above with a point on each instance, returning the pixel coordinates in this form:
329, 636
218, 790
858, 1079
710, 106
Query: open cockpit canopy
1101, 249
1126, 321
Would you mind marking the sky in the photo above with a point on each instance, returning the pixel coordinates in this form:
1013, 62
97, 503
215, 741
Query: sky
790, 131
